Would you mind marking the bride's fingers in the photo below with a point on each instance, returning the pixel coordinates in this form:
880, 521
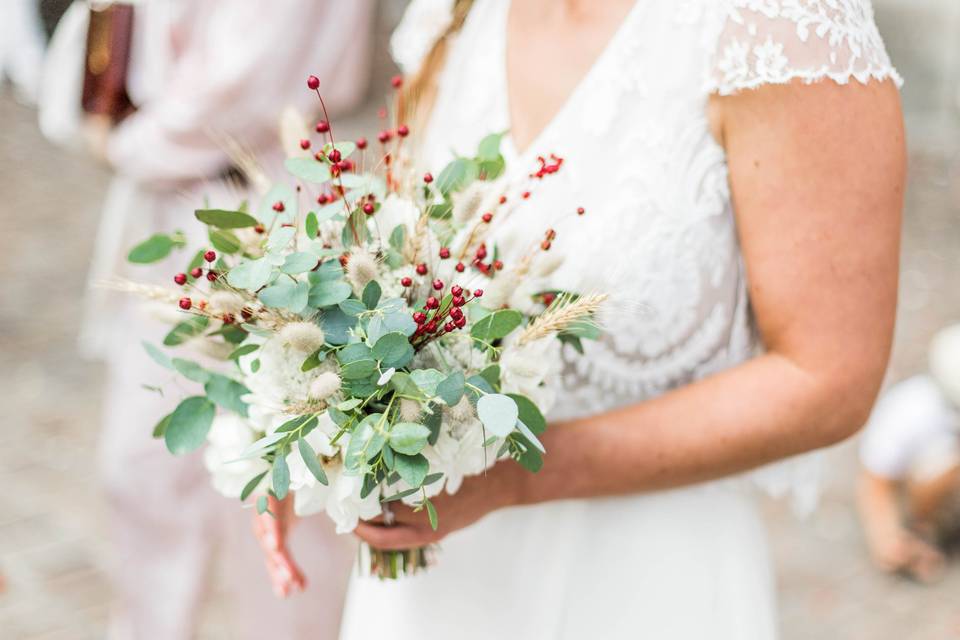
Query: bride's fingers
400, 536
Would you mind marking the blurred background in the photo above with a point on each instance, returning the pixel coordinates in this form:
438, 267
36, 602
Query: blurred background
51, 514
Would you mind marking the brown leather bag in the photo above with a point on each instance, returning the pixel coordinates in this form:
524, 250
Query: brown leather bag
107, 61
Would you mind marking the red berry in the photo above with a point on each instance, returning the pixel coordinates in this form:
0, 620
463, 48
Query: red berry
279, 207
545, 245
438, 284
431, 326
323, 198
456, 313
503, 199
384, 136
456, 290
227, 318
313, 82
459, 301
481, 252
422, 269
498, 265
212, 276
460, 322
419, 317
361, 143
460, 267
403, 131
304, 144
406, 281
580, 211
444, 253
180, 278
335, 155
526, 194
344, 165
210, 256
478, 293
487, 217
323, 126
548, 298
396, 81
196, 272
186, 303
319, 157
428, 178
432, 303
246, 313
260, 228
449, 327
369, 209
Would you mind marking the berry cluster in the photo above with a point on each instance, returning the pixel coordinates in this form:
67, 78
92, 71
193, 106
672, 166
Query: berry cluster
442, 315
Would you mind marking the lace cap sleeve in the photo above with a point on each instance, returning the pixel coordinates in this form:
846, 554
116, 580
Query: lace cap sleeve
423, 22
775, 41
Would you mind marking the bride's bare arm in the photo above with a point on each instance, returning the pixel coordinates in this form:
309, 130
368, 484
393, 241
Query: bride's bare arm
817, 174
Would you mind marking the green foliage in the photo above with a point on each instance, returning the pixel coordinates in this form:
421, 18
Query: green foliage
393, 350
189, 424
327, 293
251, 274
190, 370
498, 413
308, 169
311, 225
186, 330
496, 325
226, 393
251, 485
413, 469
280, 476
457, 175
299, 262
529, 413
310, 460
155, 248
371, 294
286, 294
452, 388
224, 241
365, 443
408, 438
241, 351
224, 219
157, 355
160, 429
431, 514
356, 361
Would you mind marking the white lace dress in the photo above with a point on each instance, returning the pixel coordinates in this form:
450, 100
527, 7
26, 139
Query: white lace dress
659, 231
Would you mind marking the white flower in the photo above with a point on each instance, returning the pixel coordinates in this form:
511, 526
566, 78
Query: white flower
340, 499
458, 453
395, 211
229, 436
279, 380
531, 370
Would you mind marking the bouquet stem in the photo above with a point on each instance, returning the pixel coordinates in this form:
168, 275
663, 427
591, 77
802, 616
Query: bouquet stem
391, 565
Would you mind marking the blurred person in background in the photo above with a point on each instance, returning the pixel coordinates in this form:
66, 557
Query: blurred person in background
910, 453
22, 42
196, 76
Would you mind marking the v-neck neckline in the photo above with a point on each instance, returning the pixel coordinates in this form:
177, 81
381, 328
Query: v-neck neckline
536, 141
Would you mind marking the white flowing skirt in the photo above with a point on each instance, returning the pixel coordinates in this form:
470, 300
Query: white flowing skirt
687, 564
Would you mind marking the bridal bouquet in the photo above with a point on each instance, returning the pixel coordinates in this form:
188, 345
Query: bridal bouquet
376, 347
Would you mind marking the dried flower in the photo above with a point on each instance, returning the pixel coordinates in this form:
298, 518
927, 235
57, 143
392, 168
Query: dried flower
305, 337
361, 269
325, 385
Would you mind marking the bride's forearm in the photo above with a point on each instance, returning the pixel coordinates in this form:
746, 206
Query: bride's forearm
766, 409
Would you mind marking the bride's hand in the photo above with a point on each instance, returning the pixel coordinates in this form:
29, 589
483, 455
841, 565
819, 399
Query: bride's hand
271, 529
477, 496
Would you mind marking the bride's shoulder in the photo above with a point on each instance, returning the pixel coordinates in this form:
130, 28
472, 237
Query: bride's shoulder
757, 42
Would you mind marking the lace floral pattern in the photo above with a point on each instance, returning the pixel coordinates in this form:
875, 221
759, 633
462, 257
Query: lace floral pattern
776, 41
660, 235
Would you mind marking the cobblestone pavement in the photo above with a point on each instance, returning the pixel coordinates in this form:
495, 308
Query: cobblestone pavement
51, 549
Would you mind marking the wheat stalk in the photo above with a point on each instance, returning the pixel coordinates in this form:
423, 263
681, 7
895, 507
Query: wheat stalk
145, 291
415, 241
560, 315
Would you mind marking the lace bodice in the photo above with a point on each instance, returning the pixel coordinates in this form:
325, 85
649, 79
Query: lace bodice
659, 235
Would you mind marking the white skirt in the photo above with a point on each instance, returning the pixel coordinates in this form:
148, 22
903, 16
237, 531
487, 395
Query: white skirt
686, 564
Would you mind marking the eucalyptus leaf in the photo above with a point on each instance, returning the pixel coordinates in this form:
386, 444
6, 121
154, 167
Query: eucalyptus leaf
157, 355
226, 393
451, 389
224, 241
189, 424
393, 350
299, 262
186, 330
498, 413
371, 294
251, 274
496, 325
308, 169
365, 443
408, 438
252, 484
413, 469
191, 370
327, 293
153, 249
281, 477
224, 219
309, 457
